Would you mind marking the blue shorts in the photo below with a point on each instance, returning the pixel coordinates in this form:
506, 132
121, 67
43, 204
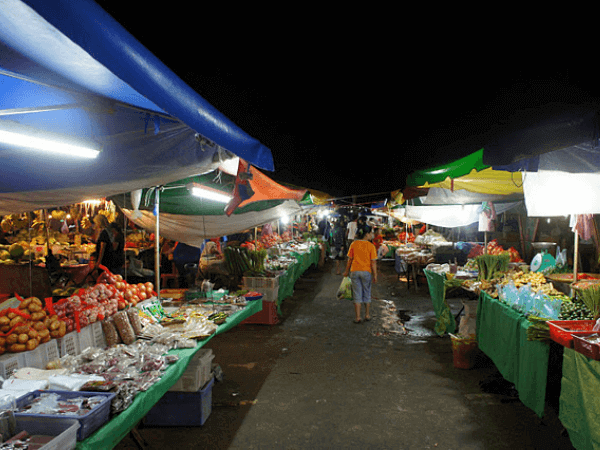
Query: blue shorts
361, 286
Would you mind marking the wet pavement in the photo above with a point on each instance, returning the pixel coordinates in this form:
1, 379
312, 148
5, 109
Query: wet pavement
317, 380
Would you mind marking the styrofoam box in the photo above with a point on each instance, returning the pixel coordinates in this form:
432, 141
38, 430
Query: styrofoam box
65, 432
197, 373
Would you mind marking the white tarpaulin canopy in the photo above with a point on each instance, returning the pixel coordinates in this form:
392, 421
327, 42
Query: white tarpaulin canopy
193, 230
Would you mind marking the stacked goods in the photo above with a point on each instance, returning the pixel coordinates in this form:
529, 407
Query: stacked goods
25, 327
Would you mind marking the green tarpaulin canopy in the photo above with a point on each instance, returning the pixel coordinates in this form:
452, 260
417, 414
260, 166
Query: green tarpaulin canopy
454, 169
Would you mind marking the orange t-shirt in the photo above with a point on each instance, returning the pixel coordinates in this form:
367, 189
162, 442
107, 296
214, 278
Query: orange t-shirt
361, 252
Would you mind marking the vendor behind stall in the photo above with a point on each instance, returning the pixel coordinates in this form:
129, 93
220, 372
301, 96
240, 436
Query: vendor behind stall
183, 255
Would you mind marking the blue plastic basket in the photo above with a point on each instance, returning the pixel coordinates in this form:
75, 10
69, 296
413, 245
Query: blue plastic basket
89, 422
182, 409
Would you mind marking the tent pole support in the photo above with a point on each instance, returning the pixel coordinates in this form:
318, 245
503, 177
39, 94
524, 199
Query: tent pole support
157, 240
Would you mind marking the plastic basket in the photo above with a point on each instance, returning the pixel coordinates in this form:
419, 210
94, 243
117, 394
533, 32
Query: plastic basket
98, 333
9, 362
261, 282
182, 409
89, 422
464, 351
64, 432
85, 338
267, 316
69, 344
562, 331
586, 348
197, 374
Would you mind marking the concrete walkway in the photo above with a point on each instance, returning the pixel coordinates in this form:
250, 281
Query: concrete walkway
319, 381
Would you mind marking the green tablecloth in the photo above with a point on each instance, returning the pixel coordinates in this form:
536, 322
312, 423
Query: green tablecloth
437, 291
288, 279
117, 428
502, 335
579, 409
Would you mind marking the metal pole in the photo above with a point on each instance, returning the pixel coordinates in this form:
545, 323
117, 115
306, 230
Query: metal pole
157, 240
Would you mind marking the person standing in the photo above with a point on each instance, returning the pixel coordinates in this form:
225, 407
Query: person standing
362, 268
351, 230
337, 244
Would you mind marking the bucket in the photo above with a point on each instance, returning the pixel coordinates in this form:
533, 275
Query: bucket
464, 351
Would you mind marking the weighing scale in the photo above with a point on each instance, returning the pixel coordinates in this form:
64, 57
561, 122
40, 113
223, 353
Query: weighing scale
542, 261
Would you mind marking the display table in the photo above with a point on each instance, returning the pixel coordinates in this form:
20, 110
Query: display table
117, 428
288, 279
502, 335
579, 409
437, 290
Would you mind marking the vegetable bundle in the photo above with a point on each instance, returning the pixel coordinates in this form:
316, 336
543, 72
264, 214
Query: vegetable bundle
590, 296
491, 266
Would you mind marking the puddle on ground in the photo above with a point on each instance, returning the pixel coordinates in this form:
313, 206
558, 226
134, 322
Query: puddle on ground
402, 322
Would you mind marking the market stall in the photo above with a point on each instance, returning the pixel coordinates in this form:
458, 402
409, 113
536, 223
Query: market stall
120, 425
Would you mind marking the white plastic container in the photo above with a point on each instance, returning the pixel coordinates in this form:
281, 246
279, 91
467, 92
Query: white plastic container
197, 373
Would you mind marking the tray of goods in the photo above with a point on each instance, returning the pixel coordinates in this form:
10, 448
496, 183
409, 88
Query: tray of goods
562, 331
568, 277
587, 344
90, 409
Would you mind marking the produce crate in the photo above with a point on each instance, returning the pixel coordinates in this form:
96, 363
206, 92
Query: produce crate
64, 433
68, 344
562, 331
85, 338
98, 333
268, 315
9, 362
42, 355
197, 374
586, 348
182, 409
89, 422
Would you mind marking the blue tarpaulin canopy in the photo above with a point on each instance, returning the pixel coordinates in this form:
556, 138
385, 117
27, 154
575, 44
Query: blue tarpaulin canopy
69, 71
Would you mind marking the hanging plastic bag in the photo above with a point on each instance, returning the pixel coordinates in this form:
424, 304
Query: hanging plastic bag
345, 290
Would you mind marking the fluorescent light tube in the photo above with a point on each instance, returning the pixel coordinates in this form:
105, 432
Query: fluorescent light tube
210, 194
36, 143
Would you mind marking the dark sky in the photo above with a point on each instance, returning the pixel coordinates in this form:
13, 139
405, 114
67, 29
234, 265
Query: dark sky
350, 103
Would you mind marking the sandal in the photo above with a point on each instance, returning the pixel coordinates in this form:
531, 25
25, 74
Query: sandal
357, 321
367, 319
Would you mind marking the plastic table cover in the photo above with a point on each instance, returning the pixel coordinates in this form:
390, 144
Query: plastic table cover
502, 335
109, 435
579, 407
437, 290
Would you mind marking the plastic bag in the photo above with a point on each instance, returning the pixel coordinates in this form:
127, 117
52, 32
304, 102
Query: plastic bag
345, 290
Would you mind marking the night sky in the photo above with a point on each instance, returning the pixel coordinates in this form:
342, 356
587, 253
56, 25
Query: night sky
351, 102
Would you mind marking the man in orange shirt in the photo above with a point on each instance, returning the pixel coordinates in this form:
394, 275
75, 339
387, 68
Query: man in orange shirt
362, 268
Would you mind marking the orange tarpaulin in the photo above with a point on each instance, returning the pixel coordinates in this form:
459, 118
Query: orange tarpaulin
251, 185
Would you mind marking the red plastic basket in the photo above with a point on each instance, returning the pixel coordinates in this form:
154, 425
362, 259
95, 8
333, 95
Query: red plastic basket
562, 331
268, 315
585, 347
